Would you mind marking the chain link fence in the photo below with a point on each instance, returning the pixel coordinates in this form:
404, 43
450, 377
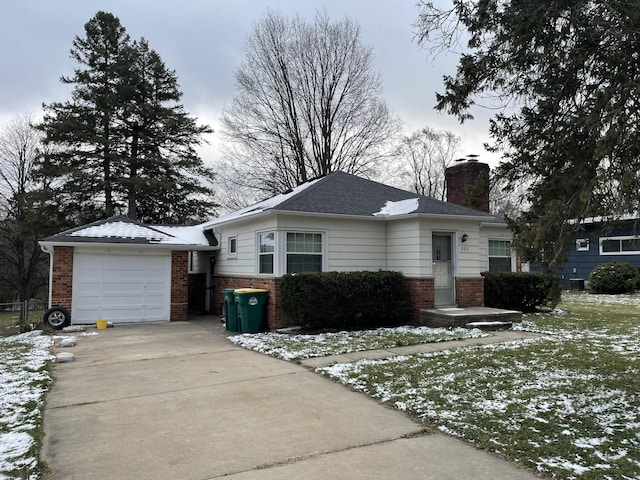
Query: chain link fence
24, 316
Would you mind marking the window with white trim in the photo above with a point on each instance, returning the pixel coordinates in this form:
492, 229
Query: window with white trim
266, 252
232, 247
303, 252
627, 245
582, 244
499, 255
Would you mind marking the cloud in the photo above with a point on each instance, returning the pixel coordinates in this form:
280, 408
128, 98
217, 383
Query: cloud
203, 41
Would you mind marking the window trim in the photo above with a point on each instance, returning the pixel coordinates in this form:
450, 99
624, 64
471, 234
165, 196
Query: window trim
274, 254
232, 253
620, 239
280, 249
582, 247
511, 256
286, 251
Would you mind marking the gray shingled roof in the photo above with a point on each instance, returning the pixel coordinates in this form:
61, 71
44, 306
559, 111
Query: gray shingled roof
338, 193
341, 193
344, 194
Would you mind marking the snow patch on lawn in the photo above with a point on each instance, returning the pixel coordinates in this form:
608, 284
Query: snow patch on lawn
23, 384
297, 346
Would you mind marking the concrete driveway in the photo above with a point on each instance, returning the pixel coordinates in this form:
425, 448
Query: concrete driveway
179, 401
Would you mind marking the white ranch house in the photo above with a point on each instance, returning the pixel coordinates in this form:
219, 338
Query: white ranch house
124, 271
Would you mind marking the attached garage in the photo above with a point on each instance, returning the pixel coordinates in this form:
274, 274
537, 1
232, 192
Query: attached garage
121, 287
123, 271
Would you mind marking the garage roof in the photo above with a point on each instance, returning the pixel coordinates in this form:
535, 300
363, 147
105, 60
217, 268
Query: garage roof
123, 230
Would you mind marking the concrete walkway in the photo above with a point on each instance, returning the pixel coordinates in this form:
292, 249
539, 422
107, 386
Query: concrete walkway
498, 336
179, 401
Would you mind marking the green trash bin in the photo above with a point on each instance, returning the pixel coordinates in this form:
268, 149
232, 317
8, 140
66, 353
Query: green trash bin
229, 310
250, 303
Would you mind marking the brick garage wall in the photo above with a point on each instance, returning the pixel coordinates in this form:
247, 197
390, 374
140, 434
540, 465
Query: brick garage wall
275, 317
421, 293
179, 310
62, 277
470, 292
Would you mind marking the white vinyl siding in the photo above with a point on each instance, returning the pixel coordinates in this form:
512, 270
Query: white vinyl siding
352, 244
408, 247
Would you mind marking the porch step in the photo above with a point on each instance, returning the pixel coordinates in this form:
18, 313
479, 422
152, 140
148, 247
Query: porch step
489, 326
492, 318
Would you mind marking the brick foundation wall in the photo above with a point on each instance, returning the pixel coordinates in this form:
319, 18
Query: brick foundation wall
470, 292
275, 317
62, 277
179, 310
421, 293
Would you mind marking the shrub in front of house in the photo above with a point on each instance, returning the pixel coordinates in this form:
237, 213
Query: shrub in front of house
345, 300
613, 277
523, 291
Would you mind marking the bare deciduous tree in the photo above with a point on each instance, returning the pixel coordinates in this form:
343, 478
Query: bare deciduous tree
21, 261
507, 199
422, 158
307, 104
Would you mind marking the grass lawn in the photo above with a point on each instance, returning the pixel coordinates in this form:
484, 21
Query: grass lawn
9, 321
566, 406
297, 347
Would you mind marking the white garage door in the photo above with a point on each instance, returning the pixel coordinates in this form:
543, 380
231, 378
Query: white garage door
120, 288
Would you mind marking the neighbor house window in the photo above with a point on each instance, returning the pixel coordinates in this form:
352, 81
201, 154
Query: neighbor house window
620, 246
499, 256
304, 252
582, 244
232, 247
266, 253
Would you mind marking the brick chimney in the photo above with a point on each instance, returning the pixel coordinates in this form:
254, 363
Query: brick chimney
468, 184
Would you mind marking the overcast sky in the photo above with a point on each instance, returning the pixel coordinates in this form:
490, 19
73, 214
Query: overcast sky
203, 41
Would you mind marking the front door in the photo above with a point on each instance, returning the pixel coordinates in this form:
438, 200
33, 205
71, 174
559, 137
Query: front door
442, 256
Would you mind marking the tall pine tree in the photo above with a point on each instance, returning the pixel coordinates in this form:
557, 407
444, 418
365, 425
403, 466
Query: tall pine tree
124, 143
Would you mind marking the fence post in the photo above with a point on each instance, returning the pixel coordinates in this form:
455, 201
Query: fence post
24, 316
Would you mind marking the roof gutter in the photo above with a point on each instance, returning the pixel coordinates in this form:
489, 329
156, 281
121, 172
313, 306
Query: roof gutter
46, 245
351, 217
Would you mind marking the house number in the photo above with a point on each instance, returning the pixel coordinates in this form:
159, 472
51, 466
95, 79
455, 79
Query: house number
464, 248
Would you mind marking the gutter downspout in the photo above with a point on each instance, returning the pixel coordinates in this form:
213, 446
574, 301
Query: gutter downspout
48, 249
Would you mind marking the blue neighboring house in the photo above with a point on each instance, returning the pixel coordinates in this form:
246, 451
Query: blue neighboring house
600, 241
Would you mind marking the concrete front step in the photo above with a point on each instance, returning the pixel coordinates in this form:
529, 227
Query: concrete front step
460, 317
490, 326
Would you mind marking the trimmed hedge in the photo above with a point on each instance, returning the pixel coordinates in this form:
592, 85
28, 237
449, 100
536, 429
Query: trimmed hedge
613, 277
523, 291
345, 300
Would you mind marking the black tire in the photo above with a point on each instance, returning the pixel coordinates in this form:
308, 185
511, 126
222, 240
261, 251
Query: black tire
56, 318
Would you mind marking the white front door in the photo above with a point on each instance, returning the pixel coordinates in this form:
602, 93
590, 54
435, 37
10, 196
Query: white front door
443, 268
120, 288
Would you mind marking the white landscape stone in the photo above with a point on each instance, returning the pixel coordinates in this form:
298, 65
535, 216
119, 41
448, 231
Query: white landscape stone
74, 328
64, 357
68, 342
